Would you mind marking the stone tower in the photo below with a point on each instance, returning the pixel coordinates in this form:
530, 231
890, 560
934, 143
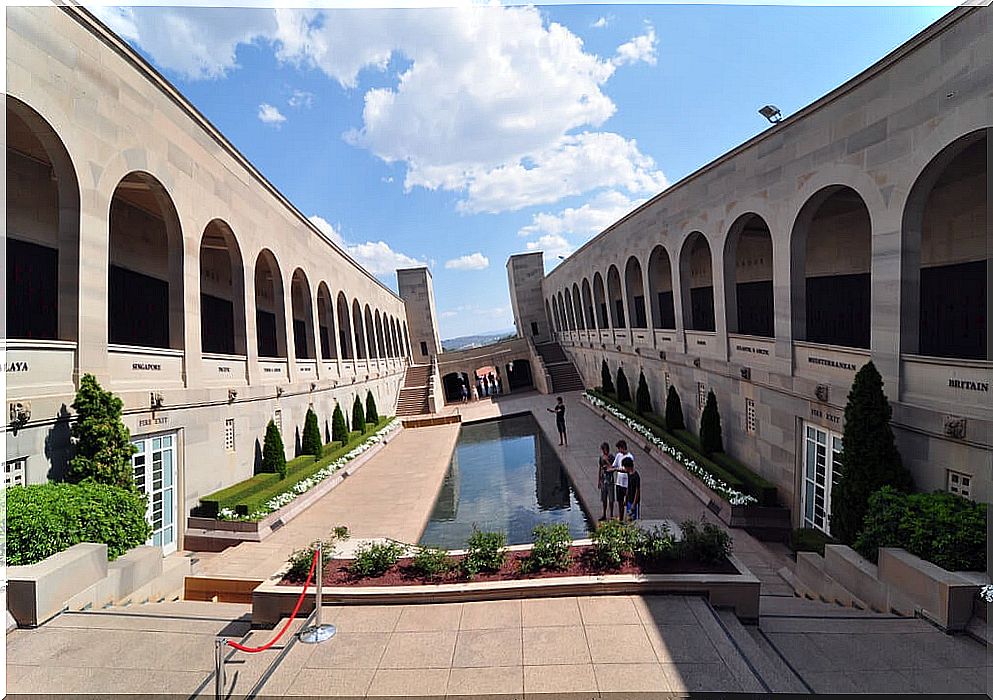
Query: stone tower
525, 272
417, 293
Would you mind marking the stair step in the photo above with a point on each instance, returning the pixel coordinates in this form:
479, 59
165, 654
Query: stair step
763, 658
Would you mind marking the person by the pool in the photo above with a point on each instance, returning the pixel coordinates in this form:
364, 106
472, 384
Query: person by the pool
632, 509
605, 481
621, 475
559, 412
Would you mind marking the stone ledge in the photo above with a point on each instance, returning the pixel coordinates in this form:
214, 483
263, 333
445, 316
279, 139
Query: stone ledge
37, 592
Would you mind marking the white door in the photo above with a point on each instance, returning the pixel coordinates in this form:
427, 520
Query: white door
821, 464
155, 475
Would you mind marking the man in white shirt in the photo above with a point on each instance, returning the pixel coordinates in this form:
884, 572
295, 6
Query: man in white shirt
620, 473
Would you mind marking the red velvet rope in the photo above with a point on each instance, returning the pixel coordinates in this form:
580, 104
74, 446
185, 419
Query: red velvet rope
253, 650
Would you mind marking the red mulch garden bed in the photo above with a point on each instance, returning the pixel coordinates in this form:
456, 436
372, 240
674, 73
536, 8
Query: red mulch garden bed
402, 574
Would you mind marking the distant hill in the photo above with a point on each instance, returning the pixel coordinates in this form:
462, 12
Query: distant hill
475, 341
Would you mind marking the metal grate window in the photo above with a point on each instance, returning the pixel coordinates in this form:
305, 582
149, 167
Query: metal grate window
959, 483
701, 395
750, 416
668, 383
13, 473
277, 418
229, 434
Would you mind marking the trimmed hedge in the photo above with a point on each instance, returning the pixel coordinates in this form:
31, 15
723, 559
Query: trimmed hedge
940, 527
247, 496
44, 519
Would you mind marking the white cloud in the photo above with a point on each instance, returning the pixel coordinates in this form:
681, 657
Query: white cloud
448, 314
474, 261
584, 221
375, 256
552, 245
643, 48
270, 115
301, 98
601, 22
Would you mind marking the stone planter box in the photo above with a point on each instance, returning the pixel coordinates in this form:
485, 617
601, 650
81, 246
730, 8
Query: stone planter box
210, 535
944, 597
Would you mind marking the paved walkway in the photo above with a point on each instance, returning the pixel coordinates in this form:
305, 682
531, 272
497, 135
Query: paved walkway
392, 495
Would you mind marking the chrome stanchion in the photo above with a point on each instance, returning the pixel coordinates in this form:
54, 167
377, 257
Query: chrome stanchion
318, 632
220, 645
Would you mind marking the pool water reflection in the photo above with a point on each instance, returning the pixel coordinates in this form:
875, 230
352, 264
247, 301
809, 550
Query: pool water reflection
505, 476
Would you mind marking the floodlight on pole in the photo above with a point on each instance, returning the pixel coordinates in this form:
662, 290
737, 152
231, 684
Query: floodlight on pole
772, 113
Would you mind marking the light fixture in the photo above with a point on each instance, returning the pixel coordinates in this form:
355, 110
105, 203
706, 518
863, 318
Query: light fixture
771, 112
561, 257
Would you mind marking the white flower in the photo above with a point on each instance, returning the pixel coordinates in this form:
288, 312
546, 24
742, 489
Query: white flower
986, 593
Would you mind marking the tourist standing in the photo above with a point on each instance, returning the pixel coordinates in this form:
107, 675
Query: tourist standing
621, 475
605, 481
633, 506
559, 412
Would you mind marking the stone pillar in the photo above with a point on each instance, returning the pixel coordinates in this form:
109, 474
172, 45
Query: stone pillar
884, 335
94, 273
417, 292
251, 333
290, 343
192, 340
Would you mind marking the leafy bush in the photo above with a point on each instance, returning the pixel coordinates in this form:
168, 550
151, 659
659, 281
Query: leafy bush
273, 454
371, 414
942, 528
432, 562
375, 559
710, 427
704, 542
612, 542
808, 539
300, 559
643, 398
103, 448
673, 410
339, 428
358, 416
869, 458
655, 545
485, 551
623, 390
605, 379
311, 442
550, 549
44, 519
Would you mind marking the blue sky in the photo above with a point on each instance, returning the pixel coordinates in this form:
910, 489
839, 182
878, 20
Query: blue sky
459, 136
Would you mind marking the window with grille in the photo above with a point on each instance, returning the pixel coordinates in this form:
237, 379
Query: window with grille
701, 395
13, 474
959, 483
668, 383
750, 416
229, 434
277, 418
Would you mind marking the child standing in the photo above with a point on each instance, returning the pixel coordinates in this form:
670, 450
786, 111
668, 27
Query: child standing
633, 506
605, 480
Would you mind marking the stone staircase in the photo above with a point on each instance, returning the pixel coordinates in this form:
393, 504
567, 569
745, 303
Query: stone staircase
560, 368
413, 400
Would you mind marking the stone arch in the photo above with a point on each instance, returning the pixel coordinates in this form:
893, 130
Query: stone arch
380, 340
325, 322
696, 274
303, 316
600, 302
222, 292
270, 321
577, 307
660, 289
358, 328
345, 338
42, 243
370, 333
615, 297
634, 286
748, 277
588, 305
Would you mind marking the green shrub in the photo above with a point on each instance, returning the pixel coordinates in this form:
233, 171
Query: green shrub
655, 545
643, 398
311, 442
432, 562
550, 549
358, 416
44, 519
485, 551
371, 414
300, 559
704, 542
869, 458
711, 441
102, 450
339, 428
375, 559
942, 528
673, 410
605, 379
623, 390
273, 454
612, 542
808, 539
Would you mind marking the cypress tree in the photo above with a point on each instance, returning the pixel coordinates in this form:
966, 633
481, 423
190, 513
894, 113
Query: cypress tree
623, 390
605, 380
710, 427
273, 454
673, 411
339, 428
358, 417
103, 448
371, 414
312, 444
869, 457
643, 398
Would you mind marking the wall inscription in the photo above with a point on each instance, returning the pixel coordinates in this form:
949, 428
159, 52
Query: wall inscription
751, 349
968, 385
15, 367
829, 416
224, 369
850, 366
147, 366
146, 422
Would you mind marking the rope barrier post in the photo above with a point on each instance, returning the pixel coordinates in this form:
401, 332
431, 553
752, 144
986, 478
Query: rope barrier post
318, 632
220, 645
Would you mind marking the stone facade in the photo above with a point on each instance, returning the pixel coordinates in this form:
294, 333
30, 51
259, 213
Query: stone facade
417, 292
845, 220
153, 226
525, 273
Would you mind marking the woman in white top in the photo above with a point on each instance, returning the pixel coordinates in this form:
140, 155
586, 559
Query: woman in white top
620, 474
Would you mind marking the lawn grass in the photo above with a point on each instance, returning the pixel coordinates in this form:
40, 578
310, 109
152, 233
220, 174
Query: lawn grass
246, 496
